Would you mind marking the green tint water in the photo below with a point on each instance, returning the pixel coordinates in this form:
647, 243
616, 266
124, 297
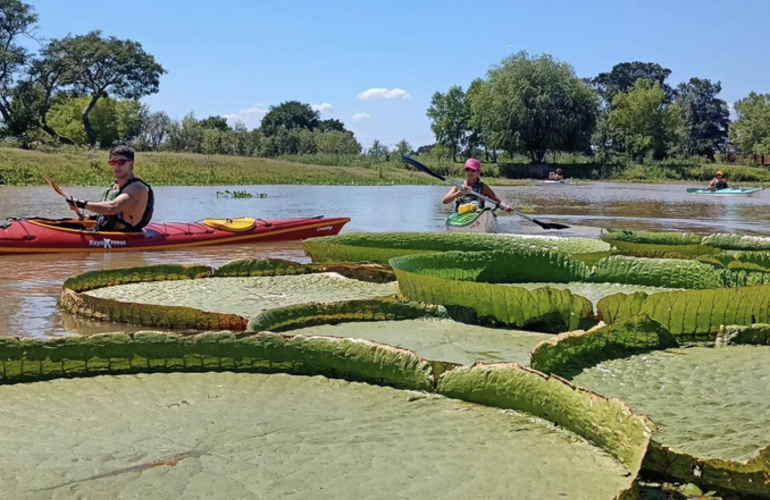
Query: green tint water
441, 339
247, 296
710, 402
249, 436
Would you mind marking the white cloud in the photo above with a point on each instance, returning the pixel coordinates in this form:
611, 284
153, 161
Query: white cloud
321, 107
733, 113
383, 93
249, 116
361, 116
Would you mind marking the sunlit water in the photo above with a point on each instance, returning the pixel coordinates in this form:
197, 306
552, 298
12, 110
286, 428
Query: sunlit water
29, 285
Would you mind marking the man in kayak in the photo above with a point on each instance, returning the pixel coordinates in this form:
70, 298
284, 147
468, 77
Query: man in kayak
718, 182
473, 183
128, 205
556, 176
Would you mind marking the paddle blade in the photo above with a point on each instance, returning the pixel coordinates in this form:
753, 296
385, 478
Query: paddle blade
54, 185
544, 225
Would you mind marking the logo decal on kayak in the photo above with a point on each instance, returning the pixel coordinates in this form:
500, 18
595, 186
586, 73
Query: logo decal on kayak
324, 228
107, 243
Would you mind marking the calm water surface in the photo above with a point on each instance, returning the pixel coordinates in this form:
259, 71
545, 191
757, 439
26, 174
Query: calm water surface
30, 284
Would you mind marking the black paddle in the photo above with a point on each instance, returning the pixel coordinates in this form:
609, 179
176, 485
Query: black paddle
419, 166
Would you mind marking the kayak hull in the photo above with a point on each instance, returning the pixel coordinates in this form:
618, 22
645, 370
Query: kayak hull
564, 182
482, 221
68, 235
726, 192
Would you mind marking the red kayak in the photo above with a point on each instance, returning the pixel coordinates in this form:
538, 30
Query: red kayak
72, 235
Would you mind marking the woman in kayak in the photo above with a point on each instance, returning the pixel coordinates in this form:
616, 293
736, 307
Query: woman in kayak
472, 183
718, 182
128, 205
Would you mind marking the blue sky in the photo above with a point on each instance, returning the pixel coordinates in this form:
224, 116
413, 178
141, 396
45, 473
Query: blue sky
375, 65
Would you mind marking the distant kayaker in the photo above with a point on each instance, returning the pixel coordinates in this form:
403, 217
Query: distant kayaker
718, 182
473, 183
128, 205
556, 175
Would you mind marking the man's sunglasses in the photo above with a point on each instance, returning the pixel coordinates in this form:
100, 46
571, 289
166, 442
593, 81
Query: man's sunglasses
119, 163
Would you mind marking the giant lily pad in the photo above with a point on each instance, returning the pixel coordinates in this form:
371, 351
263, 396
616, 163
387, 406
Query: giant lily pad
381, 247
243, 434
196, 297
246, 296
711, 406
441, 339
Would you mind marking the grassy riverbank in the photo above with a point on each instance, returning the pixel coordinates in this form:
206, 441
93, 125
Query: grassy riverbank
20, 167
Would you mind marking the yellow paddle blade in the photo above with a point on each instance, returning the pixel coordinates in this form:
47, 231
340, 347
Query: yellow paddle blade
236, 225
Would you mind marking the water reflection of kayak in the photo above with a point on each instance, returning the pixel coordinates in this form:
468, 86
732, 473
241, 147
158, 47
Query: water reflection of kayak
474, 221
71, 235
733, 191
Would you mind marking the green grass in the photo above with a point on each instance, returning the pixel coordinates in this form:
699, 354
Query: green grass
89, 168
82, 167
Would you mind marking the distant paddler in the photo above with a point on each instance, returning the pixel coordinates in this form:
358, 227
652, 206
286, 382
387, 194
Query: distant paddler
718, 182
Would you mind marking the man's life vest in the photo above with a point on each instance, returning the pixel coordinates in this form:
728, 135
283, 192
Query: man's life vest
110, 222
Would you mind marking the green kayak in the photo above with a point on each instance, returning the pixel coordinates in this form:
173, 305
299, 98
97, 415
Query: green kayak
733, 191
473, 221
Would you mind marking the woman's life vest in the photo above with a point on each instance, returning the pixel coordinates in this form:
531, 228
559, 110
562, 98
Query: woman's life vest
469, 198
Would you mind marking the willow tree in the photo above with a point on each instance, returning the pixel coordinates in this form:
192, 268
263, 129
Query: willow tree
535, 105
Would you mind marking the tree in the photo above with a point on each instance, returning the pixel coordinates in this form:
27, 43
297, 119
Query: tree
705, 118
215, 122
331, 125
751, 131
402, 148
476, 137
536, 105
641, 117
112, 121
16, 19
338, 143
378, 149
99, 66
289, 115
449, 114
624, 76
185, 136
46, 75
154, 129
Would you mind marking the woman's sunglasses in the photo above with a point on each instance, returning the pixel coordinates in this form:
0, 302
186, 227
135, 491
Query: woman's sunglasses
119, 163
471, 170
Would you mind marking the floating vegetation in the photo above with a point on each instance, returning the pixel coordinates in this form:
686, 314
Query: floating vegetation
627, 311
236, 424
239, 194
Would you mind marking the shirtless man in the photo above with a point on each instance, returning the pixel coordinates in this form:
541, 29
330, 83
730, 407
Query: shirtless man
128, 205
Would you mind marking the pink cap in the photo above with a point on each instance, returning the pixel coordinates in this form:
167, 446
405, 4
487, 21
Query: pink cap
473, 164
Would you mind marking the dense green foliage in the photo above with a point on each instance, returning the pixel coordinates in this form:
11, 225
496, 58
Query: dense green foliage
84, 90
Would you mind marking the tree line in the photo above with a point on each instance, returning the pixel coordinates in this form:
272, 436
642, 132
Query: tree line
85, 90
536, 105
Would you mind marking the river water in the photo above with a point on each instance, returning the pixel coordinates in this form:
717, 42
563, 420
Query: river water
29, 284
